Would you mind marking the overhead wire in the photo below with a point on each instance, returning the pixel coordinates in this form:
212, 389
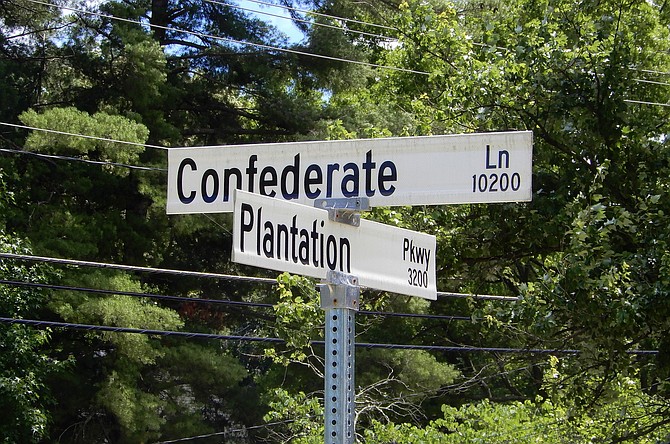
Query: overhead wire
653, 82
368, 345
642, 102
199, 300
322, 25
65, 133
651, 71
78, 159
226, 432
320, 14
233, 41
133, 268
197, 274
135, 294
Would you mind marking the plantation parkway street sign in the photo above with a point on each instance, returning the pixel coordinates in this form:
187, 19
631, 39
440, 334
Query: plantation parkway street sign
285, 236
431, 170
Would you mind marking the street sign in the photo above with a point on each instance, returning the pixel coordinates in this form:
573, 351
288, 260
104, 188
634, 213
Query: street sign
430, 170
286, 236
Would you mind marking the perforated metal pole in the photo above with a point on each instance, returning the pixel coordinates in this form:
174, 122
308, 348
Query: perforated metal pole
340, 294
340, 300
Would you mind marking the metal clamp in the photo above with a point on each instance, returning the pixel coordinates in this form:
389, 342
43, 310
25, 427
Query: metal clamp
345, 210
340, 290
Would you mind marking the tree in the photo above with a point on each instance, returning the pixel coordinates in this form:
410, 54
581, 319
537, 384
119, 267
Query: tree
25, 363
588, 253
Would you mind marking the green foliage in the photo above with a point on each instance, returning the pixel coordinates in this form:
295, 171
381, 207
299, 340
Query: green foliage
299, 317
24, 363
100, 125
301, 414
588, 256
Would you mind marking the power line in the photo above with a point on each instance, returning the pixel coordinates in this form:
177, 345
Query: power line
142, 331
234, 41
475, 296
78, 159
195, 335
416, 315
320, 14
227, 432
323, 25
65, 133
653, 82
135, 294
641, 102
215, 301
651, 71
138, 269
208, 275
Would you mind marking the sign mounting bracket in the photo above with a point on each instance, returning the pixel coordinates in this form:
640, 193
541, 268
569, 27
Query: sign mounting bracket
346, 210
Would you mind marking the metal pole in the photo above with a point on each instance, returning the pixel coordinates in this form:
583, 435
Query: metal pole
340, 301
340, 295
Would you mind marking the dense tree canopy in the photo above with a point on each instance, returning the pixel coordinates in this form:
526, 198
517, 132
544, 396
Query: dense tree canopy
588, 258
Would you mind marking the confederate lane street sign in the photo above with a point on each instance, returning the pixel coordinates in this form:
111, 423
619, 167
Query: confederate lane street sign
430, 170
286, 236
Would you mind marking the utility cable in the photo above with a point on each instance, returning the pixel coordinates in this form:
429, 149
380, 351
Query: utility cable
210, 275
135, 294
227, 432
653, 82
78, 159
651, 71
320, 14
641, 102
197, 300
138, 269
65, 133
484, 297
195, 335
323, 25
143, 331
234, 41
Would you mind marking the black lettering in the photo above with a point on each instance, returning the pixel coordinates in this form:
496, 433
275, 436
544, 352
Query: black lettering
180, 181
331, 252
245, 227
310, 181
332, 167
315, 237
368, 166
303, 249
251, 171
269, 240
503, 156
209, 198
282, 230
295, 170
489, 165
344, 242
294, 234
266, 181
352, 179
384, 177
227, 174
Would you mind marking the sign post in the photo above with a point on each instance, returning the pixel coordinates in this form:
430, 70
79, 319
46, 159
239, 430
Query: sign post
337, 246
330, 241
340, 301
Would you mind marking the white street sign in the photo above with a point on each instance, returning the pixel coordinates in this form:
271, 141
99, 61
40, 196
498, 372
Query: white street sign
286, 236
430, 170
